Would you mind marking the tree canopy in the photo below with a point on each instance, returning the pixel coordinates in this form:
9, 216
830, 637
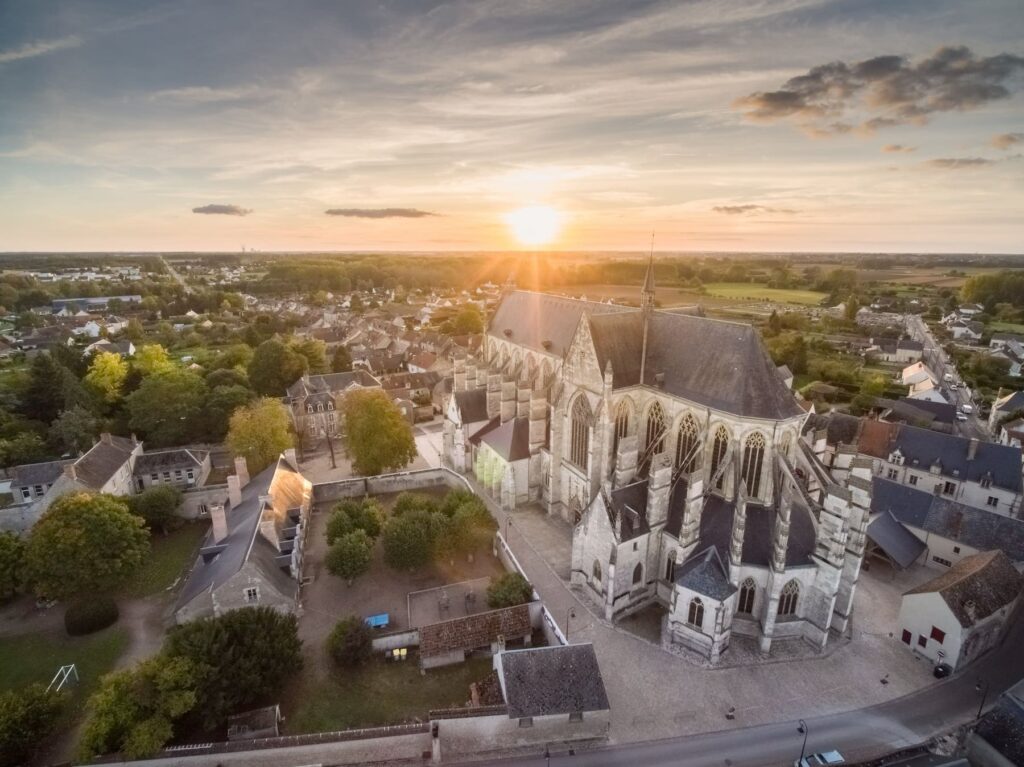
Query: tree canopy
158, 506
12, 565
350, 555
259, 432
106, 376
167, 407
508, 590
379, 438
341, 362
274, 367
350, 643
27, 716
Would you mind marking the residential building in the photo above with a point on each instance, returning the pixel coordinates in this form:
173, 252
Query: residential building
180, 467
315, 400
1004, 405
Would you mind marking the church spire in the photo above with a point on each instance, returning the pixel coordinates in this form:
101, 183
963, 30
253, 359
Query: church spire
646, 306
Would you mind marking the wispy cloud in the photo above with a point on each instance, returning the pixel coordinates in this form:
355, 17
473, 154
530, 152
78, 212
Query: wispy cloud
39, 48
1007, 140
379, 212
203, 94
897, 148
749, 210
958, 163
222, 210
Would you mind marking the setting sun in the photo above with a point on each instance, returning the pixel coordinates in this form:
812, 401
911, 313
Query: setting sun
534, 224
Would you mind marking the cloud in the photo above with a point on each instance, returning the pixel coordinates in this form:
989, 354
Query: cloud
222, 210
885, 91
894, 148
379, 212
743, 210
958, 163
40, 48
203, 94
1007, 140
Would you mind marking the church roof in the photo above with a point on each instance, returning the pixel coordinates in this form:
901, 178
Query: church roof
535, 319
472, 404
510, 440
629, 506
706, 574
716, 530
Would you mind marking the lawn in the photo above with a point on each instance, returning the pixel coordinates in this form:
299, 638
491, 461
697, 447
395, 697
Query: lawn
1005, 327
379, 693
755, 292
170, 556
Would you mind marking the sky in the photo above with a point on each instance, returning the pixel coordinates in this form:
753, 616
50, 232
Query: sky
766, 125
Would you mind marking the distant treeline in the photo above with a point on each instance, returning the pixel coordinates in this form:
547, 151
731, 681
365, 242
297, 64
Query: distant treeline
991, 289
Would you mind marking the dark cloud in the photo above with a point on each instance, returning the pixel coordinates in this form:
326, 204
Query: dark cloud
379, 212
743, 210
1007, 140
222, 210
885, 91
958, 163
894, 148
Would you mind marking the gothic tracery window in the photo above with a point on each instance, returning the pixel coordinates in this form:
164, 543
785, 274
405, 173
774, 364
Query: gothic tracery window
621, 425
655, 437
747, 591
670, 567
686, 442
753, 461
718, 449
596, 571
695, 616
788, 598
579, 446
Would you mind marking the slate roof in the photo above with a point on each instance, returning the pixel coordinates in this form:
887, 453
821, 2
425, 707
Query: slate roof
976, 586
1003, 726
472, 403
706, 573
534, 318
908, 345
1010, 402
510, 440
894, 539
977, 528
45, 473
474, 631
103, 460
547, 681
162, 460
941, 411
330, 382
629, 510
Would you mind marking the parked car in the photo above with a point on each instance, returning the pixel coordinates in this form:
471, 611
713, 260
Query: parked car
961, 417
968, 409
942, 670
824, 759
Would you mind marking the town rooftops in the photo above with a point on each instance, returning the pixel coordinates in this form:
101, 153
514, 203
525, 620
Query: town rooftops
45, 473
475, 631
176, 458
976, 587
331, 382
549, 681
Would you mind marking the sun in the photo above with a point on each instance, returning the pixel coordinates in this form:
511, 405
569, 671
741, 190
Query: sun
534, 224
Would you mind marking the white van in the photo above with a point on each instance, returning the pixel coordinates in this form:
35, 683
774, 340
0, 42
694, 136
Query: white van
967, 409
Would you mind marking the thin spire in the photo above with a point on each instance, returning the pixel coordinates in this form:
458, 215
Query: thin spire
648, 289
646, 305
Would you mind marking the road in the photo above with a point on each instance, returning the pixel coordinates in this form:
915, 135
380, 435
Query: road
178, 278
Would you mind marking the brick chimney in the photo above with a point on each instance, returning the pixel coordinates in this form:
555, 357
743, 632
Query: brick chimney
234, 490
105, 437
241, 471
219, 519
69, 470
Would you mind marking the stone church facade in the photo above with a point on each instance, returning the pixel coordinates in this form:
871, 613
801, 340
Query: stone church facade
671, 444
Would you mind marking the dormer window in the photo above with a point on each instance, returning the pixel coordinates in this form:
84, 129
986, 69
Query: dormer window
986, 481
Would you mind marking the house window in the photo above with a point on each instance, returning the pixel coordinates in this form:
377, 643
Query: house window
721, 444
949, 488
747, 592
177, 474
913, 479
38, 490
526, 721
576, 716
167, 476
638, 574
695, 617
190, 474
938, 634
956, 549
26, 493
986, 481
992, 501
753, 459
579, 448
621, 426
907, 637
922, 640
203, 509
655, 441
943, 562
892, 474
788, 598
154, 477
686, 444
252, 594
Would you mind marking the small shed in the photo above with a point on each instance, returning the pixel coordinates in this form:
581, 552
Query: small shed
258, 723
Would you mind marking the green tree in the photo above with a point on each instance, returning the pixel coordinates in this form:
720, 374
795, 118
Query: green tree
315, 353
508, 590
167, 407
349, 515
241, 657
275, 367
84, 543
106, 376
774, 324
379, 438
133, 711
227, 377
12, 565
341, 362
259, 432
152, 359
468, 320
27, 717
134, 331
408, 540
220, 406
46, 393
75, 430
350, 555
350, 643
158, 506
26, 447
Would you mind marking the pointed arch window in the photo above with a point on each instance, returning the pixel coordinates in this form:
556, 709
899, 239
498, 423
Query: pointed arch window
695, 615
670, 567
753, 461
596, 571
748, 590
718, 448
579, 446
638, 574
621, 426
686, 443
654, 442
789, 598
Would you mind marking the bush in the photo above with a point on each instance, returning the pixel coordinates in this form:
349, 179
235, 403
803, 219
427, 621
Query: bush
86, 617
158, 506
27, 716
407, 502
409, 540
509, 590
350, 643
348, 516
350, 556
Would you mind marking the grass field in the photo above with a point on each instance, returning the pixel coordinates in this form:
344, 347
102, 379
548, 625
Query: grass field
744, 291
169, 557
1005, 327
379, 693
32, 658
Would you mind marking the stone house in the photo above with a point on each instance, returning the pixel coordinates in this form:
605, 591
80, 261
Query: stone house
180, 467
315, 400
448, 642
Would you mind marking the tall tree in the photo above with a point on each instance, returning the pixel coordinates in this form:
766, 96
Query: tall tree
158, 506
315, 353
260, 432
341, 362
166, 408
12, 565
379, 438
106, 376
27, 716
83, 544
75, 430
275, 367
44, 394
221, 404
152, 359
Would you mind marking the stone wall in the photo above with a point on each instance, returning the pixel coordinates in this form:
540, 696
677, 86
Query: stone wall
476, 734
192, 500
421, 479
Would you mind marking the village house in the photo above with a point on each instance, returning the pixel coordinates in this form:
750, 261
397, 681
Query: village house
315, 400
179, 467
1006, 404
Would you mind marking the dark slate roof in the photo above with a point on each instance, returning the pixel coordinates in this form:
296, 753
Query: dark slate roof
894, 539
1010, 402
977, 528
908, 345
942, 412
923, 447
976, 586
103, 460
629, 511
716, 530
1003, 726
536, 318
37, 473
706, 573
330, 382
472, 403
547, 681
162, 460
510, 440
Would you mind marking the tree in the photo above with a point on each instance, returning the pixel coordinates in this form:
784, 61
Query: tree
44, 393
774, 324
227, 377
220, 406
259, 432
469, 320
509, 590
350, 555
347, 516
26, 447
166, 408
341, 362
12, 565
379, 436
84, 543
409, 540
133, 711
350, 643
275, 367
75, 430
158, 506
152, 359
106, 376
27, 717
315, 353
241, 657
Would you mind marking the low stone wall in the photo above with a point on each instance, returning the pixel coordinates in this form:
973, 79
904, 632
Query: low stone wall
494, 732
399, 482
192, 499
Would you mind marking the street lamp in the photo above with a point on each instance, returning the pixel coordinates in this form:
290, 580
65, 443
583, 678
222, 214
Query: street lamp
568, 616
802, 729
982, 687
547, 756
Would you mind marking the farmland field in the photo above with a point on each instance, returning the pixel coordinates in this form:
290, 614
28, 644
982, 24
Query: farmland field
747, 291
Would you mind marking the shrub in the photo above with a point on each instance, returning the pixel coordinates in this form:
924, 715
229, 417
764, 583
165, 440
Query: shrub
350, 556
27, 716
85, 617
509, 590
158, 506
348, 516
409, 540
350, 643
407, 502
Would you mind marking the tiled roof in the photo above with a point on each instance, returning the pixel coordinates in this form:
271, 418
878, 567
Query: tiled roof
161, 460
510, 440
37, 473
534, 319
103, 460
474, 631
976, 586
706, 574
547, 681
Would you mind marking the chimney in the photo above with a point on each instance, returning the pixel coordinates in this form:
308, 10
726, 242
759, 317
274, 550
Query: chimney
219, 518
972, 448
234, 491
241, 471
69, 470
291, 458
105, 437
